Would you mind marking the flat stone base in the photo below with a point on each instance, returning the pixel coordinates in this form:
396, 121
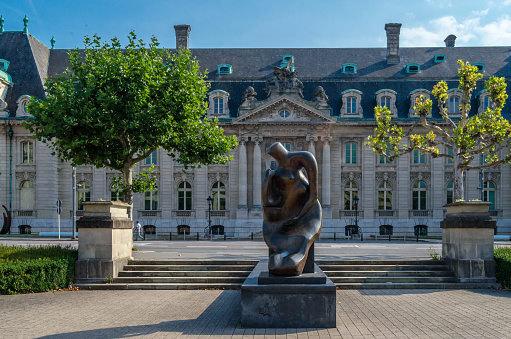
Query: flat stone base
474, 270
98, 270
284, 305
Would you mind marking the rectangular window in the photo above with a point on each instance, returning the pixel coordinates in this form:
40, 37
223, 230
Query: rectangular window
449, 152
418, 157
487, 102
184, 200
152, 159
384, 200
151, 201
419, 200
351, 152
27, 152
351, 105
385, 101
219, 106
454, 103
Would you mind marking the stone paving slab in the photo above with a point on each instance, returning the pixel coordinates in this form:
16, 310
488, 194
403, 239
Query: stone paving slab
216, 314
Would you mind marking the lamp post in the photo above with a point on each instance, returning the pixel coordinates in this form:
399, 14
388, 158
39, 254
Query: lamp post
10, 133
210, 201
74, 203
355, 202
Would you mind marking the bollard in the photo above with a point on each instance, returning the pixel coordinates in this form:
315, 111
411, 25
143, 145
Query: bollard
170, 236
389, 237
362, 237
417, 237
197, 236
225, 236
334, 236
252, 236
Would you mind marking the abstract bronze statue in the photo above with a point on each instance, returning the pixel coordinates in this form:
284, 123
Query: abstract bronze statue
7, 221
291, 210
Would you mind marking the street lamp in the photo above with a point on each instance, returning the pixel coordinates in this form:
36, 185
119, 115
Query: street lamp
210, 201
355, 203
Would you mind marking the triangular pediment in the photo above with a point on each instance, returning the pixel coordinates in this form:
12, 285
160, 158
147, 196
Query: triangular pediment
284, 109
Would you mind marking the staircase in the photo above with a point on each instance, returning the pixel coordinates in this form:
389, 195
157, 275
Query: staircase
180, 275
392, 274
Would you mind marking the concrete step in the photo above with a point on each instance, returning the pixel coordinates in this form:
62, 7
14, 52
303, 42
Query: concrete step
394, 267
180, 280
440, 286
333, 274
187, 262
386, 280
136, 267
184, 273
381, 262
159, 286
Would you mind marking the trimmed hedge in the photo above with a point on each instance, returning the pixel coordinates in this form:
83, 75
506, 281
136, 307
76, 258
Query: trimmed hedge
36, 269
503, 258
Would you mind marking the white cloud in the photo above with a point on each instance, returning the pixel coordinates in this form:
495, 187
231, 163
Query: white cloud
470, 32
481, 12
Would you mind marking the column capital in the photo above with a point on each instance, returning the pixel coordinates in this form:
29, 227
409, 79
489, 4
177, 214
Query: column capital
326, 139
242, 139
257, 139
311, 138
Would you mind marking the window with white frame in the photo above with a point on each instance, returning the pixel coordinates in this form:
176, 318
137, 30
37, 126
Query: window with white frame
419, 196
387, 98
351, 103
414, 99
218, 195
184, 196
384, 160
484, 101
152, 159
351, 152
449, 152
218, 103
27, 152
418, 157
385, 195
151, 200
350, 192
27, 195
454, 101
83, 194
489, 194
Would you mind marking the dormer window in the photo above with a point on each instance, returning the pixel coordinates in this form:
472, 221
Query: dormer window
4, 64
218, 107
414, 97
454, 100
387, 98
349, 68
413, 68
22, 106
224, 69
439, 58
480, 66
484, 101
351, 103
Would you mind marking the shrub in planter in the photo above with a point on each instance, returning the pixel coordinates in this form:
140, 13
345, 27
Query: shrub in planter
503, 258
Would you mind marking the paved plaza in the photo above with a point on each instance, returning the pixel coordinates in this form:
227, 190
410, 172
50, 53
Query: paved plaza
216, 314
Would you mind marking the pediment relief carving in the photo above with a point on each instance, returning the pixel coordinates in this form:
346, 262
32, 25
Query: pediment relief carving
285, 110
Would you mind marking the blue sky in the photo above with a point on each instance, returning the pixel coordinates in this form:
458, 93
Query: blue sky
265, 23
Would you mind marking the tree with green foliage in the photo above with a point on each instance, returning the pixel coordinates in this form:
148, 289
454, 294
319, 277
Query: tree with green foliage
114, 106
467, 136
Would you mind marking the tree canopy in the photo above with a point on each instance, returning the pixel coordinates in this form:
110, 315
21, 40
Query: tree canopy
114, 106
459, 138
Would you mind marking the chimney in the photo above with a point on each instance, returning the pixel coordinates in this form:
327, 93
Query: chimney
450, 40
182, 33
393, 43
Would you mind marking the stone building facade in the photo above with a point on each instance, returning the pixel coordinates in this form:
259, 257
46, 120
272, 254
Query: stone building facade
319, 100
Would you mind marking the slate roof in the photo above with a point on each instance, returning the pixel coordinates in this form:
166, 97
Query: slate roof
32, 62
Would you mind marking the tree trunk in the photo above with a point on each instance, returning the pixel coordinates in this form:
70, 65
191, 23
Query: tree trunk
127, 180
459, 192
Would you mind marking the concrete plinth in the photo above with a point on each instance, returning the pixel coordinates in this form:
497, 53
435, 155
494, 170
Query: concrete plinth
467, 241
105, 242
287, 305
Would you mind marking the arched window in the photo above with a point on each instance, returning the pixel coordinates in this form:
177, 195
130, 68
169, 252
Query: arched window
385, 196
27, 195
450, 192
419, 196
115, 195
386, 230
27, 152
151, 201
83, 192
218, 103
184, 196
351, 103
489, 194
387, 98
350, 192
218, 195
420, 230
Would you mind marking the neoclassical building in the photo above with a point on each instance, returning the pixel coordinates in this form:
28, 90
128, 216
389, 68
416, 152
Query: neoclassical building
316, 99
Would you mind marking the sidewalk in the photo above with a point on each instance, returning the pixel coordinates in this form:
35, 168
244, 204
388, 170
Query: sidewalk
215, 314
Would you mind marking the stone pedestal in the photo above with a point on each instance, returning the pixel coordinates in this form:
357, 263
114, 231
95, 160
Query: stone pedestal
467, 241
105, 241
305, 301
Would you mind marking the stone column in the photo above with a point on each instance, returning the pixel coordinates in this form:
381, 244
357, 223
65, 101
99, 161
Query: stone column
325, 203
242, 184
312, 146
105, 241
256, 177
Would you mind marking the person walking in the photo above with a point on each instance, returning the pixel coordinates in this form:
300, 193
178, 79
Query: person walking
138, 231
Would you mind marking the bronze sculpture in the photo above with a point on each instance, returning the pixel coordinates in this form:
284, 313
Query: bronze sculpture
291, 210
